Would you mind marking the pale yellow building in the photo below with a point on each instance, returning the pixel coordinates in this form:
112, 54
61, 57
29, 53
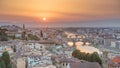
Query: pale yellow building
21, 63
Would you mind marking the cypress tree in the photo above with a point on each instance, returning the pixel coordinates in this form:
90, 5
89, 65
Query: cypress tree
2, 63
6, 58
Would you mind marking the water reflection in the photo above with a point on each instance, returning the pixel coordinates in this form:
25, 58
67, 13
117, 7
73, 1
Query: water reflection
84, 47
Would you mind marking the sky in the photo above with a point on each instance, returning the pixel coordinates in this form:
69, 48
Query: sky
61, 13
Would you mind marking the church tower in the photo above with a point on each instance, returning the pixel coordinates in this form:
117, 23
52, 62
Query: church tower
23, 26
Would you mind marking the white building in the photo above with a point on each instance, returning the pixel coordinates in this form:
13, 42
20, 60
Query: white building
39, 61
4, 48
21, 63
37, 46
44, 66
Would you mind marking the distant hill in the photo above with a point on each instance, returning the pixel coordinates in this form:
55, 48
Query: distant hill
11, 27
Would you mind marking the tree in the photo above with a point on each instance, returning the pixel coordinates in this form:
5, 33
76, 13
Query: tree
88, 57
2, 63
23, 36
94, 57
9, 66
13, 37
76, 53
5, 61
41, 33
6, 58
32, 37
3, 35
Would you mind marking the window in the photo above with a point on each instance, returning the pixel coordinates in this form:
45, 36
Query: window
66, 64
40, 46
63, 64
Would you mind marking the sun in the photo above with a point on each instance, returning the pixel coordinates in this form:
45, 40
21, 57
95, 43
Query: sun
44, 18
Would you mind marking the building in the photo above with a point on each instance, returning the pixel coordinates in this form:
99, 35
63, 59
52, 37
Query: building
18, 62
37, 46
44, 66
85, 65
64, 62
21, 63
114, 63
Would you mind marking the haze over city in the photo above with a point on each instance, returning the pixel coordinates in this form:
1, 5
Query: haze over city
61, 13
59, 33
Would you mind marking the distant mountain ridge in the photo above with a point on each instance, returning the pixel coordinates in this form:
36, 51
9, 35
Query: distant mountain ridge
11, 27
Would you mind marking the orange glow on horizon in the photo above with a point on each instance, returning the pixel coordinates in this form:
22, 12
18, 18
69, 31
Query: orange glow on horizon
58, 10
44, 18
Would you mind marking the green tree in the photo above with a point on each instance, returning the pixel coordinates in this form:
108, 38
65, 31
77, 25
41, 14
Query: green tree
32, 37
3, 35
2, 63
6, 58
9, 66
13, 37
23, 36
76, 53
88, 57
94, 57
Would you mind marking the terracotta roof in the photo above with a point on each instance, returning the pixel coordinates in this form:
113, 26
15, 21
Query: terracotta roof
43, 42
116, 59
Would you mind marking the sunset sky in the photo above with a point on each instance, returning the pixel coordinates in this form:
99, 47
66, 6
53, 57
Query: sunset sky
76, 13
